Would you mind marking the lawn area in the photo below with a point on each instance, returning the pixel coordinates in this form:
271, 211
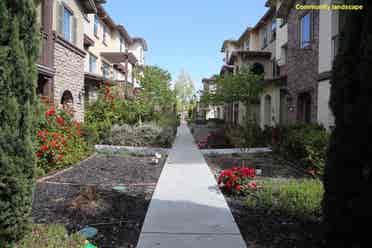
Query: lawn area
284, 209
85, 195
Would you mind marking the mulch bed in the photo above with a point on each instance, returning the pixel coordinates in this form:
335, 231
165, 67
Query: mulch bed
117, 215
259, 227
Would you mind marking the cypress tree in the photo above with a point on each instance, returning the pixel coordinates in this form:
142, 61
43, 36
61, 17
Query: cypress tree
18, 53
348, 175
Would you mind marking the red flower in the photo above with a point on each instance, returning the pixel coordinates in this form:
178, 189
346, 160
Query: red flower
228, 185
50, 112
40, 133
252, 184
60, 157
53, 144
44, 148
60, 121
39, 154
238, 187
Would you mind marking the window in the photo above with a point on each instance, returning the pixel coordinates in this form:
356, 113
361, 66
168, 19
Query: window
264, 38
92, 63
122, 45
96, 24
104, 34
283, 55
105, 70
67, 23
276, 69
305, 30
246, 45
273, 30
283, 21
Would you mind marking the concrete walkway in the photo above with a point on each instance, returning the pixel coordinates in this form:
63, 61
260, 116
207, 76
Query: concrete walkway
187, 209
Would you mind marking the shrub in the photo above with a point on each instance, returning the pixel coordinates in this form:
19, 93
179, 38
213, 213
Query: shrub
214, 140
50, 236
296, 198
18, 53
237, 180
304, 143
247, 136
58, 141
147, 134
110, 109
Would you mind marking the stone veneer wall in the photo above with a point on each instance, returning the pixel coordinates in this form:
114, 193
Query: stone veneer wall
302, 66
69, 76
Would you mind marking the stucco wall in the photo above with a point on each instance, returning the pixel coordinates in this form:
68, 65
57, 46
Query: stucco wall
77, 11
325, 116
325, 39
274, 93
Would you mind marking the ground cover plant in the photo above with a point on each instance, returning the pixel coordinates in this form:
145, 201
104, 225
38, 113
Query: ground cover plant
280, 206
51, 236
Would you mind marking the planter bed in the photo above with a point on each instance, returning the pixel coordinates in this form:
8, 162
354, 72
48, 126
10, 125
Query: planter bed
118, 214
263, 227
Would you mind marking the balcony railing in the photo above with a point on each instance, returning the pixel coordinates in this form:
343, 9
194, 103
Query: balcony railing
46, 50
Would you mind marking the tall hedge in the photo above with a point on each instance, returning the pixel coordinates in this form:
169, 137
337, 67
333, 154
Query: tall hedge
18, 53
348, 174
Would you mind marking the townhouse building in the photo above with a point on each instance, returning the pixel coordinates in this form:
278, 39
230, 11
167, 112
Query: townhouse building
211, 111
294, 50
81, 46
256, 49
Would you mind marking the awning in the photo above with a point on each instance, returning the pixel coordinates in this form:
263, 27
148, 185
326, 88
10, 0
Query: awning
119, 57
88, 41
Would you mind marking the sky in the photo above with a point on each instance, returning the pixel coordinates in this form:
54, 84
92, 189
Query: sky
186, 34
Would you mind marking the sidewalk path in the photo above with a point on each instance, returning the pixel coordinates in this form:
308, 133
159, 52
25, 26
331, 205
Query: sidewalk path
187, 209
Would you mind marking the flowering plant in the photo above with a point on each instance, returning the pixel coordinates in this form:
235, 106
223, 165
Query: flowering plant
204, 143
58, 140
237, 180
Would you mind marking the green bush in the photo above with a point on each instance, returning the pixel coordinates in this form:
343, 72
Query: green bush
19, 41
247, 136
90, 134
297, 198
304, 143
50, 236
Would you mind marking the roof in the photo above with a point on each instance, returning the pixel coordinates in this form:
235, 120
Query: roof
229, 68
211, 79
105, 17
269, 13
124, 33
140, 40
284, 8
244, 34
233, 42
89, 6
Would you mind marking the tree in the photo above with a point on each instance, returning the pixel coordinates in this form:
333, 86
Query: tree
348, 173
243, 86
18, 53
184, 90
155, 93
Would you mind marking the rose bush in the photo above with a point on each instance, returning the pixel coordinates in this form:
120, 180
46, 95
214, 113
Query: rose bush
237, 180
58, 141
